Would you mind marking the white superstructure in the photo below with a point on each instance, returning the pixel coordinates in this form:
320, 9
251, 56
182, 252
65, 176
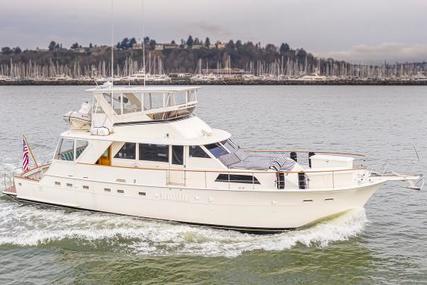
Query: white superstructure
146, 154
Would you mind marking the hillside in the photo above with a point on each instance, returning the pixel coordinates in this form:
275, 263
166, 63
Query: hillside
191, 56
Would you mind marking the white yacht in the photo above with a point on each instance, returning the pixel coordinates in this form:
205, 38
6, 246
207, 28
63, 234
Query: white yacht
145, 153
313, 77
142, 75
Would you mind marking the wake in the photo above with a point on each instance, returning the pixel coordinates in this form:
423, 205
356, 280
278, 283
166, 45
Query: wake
29, 225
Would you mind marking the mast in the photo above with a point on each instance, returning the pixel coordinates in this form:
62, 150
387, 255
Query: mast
143, 41
112, 44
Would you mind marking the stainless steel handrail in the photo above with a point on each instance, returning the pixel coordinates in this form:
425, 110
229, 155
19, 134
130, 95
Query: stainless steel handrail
207, 179
304, 151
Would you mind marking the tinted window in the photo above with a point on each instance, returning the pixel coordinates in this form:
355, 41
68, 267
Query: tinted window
154, 152
231, 146
216, 149
177, 154
127, 151
236, 178
66, 150
197, 151
80, 147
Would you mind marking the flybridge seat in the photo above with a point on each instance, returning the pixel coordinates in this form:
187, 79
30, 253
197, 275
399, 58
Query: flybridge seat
118, 105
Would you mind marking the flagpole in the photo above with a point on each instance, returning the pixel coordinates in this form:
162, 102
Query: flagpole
31, 152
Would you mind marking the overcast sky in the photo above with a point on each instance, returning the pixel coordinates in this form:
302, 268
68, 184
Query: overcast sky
356, 30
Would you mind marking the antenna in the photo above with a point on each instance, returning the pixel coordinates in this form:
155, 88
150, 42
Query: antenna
112, 43
143, 40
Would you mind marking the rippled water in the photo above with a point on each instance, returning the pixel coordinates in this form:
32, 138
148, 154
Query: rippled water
386, 243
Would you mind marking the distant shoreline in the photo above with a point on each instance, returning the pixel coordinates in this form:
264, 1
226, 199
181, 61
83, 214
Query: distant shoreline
375, 82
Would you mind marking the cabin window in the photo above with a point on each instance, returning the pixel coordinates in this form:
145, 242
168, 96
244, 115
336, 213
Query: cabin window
66, 150
197, 151
216, 149
80, 147
131, 103
128, 151
192, 96
152, 101
178, 154
237, 178
154, 152
107, 97
116, 104
96, 108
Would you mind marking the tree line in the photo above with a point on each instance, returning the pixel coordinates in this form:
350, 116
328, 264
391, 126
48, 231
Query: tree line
191, 55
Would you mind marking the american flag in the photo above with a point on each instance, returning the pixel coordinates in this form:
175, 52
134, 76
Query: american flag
25, 157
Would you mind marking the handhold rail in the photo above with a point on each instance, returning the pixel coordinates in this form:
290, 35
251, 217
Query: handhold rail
304, 151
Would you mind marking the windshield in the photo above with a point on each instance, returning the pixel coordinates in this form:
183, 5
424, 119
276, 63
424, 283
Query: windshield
230, 145
216, 149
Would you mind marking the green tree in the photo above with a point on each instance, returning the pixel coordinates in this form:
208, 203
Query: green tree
152, 44
284, 48
230, 45
132, 42
207, 42
270, 48
75, 46
6, 50
190, 41
124, 44
52, 45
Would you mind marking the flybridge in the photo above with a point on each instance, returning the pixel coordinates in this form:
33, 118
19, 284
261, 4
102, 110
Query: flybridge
121, 105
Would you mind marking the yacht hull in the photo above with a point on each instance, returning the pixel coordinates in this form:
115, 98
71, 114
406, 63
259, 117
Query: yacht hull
258, 211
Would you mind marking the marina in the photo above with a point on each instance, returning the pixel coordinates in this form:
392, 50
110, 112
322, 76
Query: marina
148, 142
232, 63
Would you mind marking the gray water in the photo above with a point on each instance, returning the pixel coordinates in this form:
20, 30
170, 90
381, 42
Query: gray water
384, 244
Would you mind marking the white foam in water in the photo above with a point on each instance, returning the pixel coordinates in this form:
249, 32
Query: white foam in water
32, 226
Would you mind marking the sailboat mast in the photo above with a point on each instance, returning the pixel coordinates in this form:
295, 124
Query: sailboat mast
143, 41
112, 42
